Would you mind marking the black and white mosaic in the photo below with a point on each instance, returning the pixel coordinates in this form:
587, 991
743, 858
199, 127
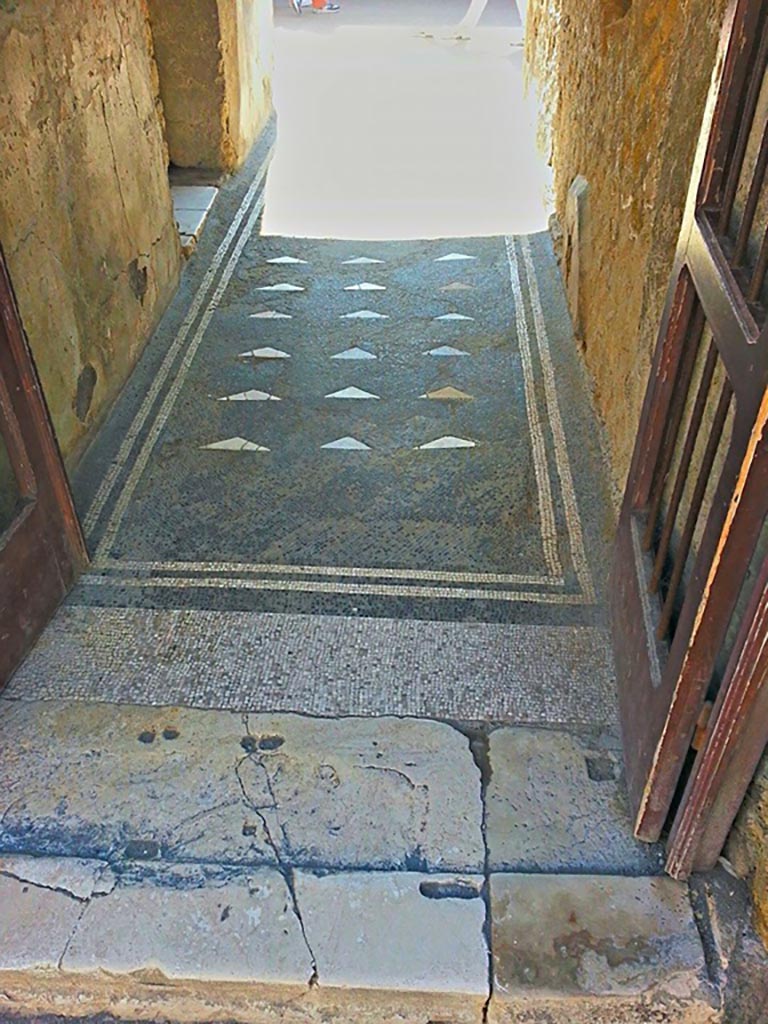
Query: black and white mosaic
346, 478
324, 665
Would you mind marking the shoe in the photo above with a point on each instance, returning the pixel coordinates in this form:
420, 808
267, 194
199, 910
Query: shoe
329, 8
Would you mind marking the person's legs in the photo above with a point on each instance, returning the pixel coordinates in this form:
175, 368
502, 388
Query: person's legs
324, 6
473, 15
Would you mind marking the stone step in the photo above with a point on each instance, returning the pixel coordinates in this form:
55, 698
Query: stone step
584, 949
128, 783
178, 864
266, 945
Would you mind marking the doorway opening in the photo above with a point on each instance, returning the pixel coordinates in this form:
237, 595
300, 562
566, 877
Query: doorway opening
396, 123
343, 645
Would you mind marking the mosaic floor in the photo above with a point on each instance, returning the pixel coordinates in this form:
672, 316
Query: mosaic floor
347, 430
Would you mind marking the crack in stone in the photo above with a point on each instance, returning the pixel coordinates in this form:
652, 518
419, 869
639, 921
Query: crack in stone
478, 741
8, 809
116, 169
175, 848
62, 890
75, 927
415, 855
285, 869
387, 768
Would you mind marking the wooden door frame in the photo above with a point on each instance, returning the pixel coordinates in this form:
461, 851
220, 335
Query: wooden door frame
43, 550
736, 733
668, 686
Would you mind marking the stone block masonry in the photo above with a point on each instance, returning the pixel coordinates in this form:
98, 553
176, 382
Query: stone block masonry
626, 114
215, 63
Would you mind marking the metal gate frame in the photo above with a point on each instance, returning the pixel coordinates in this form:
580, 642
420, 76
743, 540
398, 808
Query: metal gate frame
666, 654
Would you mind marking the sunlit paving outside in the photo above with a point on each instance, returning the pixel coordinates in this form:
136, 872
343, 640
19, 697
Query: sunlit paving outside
391, 127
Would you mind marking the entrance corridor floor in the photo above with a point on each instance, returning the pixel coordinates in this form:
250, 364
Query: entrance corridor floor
327, 731
370, 471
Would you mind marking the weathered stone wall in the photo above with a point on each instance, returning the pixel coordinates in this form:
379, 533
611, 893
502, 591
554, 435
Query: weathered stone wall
625, 112
215, 64
748, 847
85, 212
624, 85
248, 41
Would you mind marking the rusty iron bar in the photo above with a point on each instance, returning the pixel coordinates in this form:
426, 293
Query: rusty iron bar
686, 539
750, 207
745, 121
758, 274
697, 415
692, 344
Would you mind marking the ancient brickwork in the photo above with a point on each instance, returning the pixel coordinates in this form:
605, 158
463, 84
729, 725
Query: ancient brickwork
86, 222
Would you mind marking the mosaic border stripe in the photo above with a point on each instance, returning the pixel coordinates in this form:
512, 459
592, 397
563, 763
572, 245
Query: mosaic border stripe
323, 665
335, 587
144, 570
562, 460
372, 572
126, 448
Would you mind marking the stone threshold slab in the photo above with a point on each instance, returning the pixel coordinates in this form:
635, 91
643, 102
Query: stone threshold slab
580, 949
259, 946
163, 786
379, 947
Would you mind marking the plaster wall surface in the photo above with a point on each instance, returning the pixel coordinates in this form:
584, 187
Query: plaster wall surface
215, 64
748, 846
86, 222
625, 113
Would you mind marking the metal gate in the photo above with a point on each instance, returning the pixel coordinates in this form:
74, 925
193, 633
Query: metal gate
689, 592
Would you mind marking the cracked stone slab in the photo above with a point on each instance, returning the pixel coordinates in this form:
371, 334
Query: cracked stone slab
383, 793
595, 950
556, 803
112, 781
72, 876
244, 929
35, 925
174, 784
397, 932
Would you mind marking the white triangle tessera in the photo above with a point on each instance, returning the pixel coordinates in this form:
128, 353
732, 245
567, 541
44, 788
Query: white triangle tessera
453, 257
446, 350
265, 353
235, 444
447, 393
364, 314
351, 393
447, 442
354, 353
347, 444
249, 396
